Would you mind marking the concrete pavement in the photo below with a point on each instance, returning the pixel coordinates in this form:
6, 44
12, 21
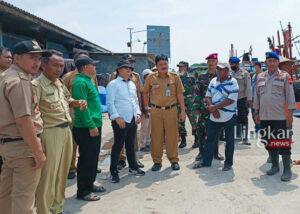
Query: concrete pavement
245, 189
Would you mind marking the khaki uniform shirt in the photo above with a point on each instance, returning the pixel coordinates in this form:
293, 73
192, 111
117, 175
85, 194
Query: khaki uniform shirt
244, 81
159, 86
53, 101
17, 100
134, 77
272, 92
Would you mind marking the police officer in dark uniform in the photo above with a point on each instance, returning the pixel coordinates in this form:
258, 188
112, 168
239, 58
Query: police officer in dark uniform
244, 98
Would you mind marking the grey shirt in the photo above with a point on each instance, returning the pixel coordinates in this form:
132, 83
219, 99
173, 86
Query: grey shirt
272, 93
244, 81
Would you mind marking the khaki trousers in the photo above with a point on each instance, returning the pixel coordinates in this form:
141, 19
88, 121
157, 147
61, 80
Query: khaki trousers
164, 126
74, 155
50, 194
19, 179
145, 132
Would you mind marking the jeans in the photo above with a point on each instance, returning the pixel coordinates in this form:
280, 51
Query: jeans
213, 133
87, 165
121, 136
257, 126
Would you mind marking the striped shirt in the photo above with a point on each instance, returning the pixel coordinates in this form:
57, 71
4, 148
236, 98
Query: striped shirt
221, 91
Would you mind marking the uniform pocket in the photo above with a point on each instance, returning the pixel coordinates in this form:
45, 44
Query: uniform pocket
277, 87
155, 89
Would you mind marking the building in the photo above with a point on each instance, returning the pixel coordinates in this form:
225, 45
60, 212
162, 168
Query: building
17, 25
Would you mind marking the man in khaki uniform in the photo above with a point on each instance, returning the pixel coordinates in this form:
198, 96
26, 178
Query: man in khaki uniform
166, 91
244, 99
5, 62
135, 78
53, 100
5, 59
20, 128
68, 79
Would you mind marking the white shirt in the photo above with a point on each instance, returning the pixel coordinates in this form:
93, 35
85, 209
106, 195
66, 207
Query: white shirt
122, 100
221, 91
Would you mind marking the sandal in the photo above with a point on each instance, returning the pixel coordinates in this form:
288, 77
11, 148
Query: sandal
98, 189
89, 197
226, 168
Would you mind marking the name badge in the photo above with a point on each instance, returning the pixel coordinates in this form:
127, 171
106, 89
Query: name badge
168, 92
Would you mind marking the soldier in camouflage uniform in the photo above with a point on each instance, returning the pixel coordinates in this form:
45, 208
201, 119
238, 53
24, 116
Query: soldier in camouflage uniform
200, 105
188, 82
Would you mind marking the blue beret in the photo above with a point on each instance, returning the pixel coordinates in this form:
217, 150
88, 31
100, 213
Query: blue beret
254, 59
234, 59
270, 55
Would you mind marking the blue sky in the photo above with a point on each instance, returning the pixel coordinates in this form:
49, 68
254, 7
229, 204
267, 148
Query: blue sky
197, 27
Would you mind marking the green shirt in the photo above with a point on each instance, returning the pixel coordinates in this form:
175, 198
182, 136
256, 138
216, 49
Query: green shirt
84, 89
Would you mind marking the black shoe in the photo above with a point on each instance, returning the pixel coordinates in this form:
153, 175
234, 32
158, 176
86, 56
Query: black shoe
121, 165
199, 157
139, 164
114, 178
219, 157
145, 149
183, 142
156, 167
175, 166
196, 143
246, 142
71, 175
137, 172
98, 170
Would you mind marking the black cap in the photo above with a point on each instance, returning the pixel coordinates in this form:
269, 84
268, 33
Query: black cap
128, 57
183, 63
84, 60
28, 47
124, 64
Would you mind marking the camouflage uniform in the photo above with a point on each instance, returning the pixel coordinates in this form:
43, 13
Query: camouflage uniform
200, 105
189, 87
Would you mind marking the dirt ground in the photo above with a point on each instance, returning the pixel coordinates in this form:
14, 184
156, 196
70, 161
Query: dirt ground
245, 189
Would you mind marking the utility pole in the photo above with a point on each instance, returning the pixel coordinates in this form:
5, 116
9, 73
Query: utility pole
130, 38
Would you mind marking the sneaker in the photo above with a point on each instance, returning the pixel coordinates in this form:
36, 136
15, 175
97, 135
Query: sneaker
137, 172
145, 149
121, 165
140, 165
114, 178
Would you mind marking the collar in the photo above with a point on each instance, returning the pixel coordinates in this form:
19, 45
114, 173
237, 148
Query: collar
45, 81
84, 76
276, 73
229, 78
20, 72
122, 79
157, 74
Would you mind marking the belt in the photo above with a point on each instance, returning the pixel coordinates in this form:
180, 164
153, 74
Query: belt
8, 140
63, 125
164, 107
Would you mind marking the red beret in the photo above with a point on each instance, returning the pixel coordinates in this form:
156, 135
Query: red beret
212, 56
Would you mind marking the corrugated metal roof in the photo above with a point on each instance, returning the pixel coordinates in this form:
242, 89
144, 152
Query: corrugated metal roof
28, 16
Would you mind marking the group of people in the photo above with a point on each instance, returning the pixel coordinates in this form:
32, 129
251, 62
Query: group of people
44, 120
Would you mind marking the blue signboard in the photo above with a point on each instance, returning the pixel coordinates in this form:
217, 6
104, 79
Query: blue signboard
158, 40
